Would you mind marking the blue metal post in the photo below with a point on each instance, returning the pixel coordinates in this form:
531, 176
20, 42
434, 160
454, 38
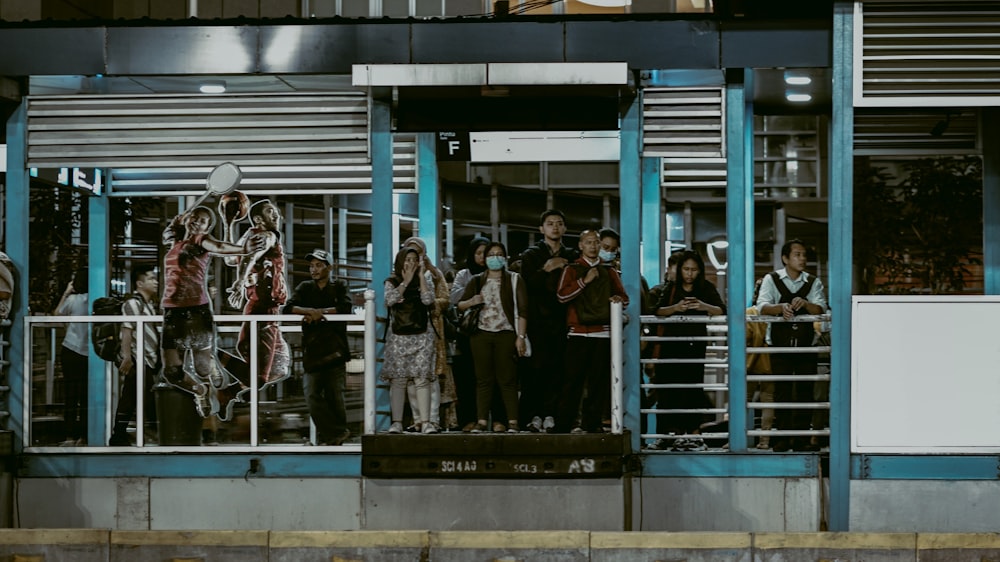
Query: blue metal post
16, 228
428, 200
382, 250
629, 175
748, 179
841, 239
990, 131
739, 195
99, 260
653, 260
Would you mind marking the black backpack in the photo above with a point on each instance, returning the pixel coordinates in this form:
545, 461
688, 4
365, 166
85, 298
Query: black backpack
105, 335
792, 334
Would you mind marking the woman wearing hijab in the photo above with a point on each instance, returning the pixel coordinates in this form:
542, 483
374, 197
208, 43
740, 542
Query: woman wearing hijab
463, 367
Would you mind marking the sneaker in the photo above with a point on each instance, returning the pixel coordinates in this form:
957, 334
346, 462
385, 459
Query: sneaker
396, 427
578, 431
549, 425
499, 427
480, 428
660, 445
512, 427
535, 426
344, 436
429, 428
696, 444
415, 428
679, 444
468, 427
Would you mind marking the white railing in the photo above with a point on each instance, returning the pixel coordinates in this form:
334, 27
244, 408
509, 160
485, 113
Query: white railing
717, 360
227, 326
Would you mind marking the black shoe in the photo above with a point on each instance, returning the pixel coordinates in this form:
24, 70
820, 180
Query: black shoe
119, 440
780, 445
344, 436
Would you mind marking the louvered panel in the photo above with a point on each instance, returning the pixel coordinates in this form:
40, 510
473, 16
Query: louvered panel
160, 144
683, 122
928, 54
693, 173
173, 130
289, 178
916, 132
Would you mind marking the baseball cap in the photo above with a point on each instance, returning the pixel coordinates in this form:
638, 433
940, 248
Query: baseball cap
321, 255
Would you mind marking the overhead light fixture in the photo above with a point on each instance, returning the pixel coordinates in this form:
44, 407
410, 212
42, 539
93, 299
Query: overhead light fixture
213, 87
794, 79
798, 98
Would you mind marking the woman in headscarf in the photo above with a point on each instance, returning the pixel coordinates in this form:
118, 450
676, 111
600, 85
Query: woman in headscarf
409, 355
443, 392
463, 368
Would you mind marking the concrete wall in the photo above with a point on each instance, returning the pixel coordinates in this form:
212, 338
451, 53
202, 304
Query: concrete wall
943, 506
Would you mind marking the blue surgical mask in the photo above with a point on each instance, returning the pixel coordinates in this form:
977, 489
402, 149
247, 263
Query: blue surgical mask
607, 256
496, 262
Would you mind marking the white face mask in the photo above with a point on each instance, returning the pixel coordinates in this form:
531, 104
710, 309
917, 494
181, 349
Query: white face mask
496, 262
607, 256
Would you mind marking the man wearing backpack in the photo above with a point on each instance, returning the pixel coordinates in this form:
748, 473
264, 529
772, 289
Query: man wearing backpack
142, 301
791, 292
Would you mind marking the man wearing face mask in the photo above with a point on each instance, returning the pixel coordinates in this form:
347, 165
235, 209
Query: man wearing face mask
588, 287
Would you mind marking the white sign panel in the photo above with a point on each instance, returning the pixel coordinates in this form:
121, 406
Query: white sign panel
545, 146
925, 374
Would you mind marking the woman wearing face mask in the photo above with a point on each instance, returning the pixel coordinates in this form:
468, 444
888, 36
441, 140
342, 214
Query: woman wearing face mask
463, 369
501, 336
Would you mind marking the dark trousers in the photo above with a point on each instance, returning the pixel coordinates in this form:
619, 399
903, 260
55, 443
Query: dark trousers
464, 371
125, 412
324, 390
74, 371
588, 365
496, 366
542, 375
793, 391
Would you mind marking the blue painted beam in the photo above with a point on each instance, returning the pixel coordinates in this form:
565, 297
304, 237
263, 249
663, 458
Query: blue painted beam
739, 195
428, 195
193, 465
630, 188
841, 238
16, 229
98, 282
653, 261
382, 196
925, 467
730, 465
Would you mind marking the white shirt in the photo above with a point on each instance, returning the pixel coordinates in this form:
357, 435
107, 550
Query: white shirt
769, 293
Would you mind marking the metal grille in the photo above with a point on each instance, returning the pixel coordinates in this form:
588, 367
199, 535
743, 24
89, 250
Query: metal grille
685, 128
165, 144
927, 54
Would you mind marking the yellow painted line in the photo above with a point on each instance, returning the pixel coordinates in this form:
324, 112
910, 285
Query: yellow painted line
932, 541
200, 538
870, 541
670, 540
349, 539
54, 536
510, 539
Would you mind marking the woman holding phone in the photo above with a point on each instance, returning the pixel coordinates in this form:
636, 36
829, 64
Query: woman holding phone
690, 295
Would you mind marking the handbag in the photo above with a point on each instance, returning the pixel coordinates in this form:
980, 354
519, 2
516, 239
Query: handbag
527, 342
468, 325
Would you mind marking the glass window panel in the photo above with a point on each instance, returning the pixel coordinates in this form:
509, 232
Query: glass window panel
428, 8
354, 8
585, 174
464, 7
395, 8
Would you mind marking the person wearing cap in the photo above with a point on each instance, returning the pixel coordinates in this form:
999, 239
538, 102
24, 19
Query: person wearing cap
325, 347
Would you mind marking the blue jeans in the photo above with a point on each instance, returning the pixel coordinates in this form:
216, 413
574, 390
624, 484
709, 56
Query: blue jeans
324, 390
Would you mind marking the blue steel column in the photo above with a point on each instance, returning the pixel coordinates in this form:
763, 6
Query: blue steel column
428, 200
16, 228
748, 172
990, 131
382, 250
841, 234
629, 180
653, 260
739, 194
99, 260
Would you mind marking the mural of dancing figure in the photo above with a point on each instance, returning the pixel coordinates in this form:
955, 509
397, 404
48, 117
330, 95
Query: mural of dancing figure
188, 339
259, 288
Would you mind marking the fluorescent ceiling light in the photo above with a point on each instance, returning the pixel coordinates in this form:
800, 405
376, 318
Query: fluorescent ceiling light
213, 87
798, 98
797, 80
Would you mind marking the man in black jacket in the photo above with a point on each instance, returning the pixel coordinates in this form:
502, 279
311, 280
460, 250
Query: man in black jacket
326, 351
